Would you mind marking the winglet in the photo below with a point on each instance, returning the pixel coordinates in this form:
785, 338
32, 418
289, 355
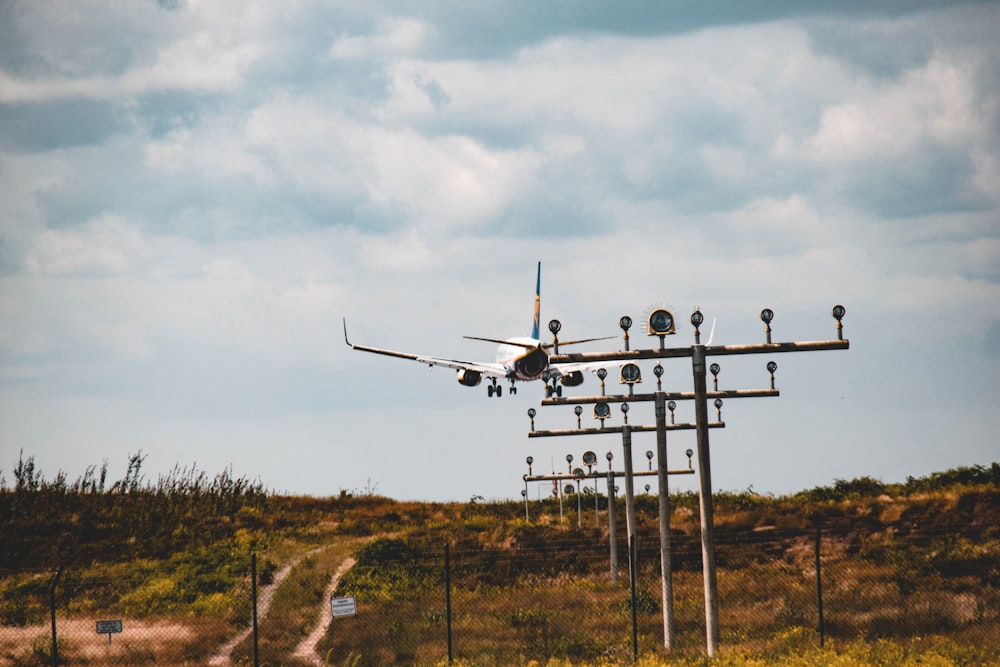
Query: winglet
345, 333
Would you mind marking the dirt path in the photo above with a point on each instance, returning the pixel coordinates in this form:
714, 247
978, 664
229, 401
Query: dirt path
265, 595
306, 650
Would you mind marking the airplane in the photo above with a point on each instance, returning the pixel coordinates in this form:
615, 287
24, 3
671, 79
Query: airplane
519, 359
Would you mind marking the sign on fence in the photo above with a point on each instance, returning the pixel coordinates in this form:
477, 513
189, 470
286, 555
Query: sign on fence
343, 607
108, 627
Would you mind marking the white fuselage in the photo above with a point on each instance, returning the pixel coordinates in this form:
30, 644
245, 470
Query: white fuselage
523, 358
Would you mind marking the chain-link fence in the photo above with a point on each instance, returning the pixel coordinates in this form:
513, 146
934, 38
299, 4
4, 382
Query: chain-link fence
501, 597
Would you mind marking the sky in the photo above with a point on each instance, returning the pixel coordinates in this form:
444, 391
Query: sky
195, 195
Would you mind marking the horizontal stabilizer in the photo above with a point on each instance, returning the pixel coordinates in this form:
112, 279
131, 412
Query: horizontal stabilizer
527, 346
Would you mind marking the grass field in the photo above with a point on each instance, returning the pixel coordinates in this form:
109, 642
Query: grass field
910, 572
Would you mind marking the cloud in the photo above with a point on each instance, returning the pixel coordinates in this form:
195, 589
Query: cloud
933, 104
105, 246
394, 37
85, 56
189, 209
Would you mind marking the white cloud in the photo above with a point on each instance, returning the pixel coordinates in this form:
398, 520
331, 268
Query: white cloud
444, 183
200, 48
934, 104
214, 152
394, 37
105, 246
196, 259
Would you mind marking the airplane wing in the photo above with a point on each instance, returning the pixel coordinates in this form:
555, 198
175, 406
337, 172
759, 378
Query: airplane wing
572, 367
487, 369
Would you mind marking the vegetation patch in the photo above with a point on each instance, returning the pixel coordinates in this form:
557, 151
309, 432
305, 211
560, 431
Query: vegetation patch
911, 574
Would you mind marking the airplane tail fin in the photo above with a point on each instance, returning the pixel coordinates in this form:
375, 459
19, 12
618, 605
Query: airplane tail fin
535, 328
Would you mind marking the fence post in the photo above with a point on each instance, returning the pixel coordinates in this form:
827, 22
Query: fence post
52, 609
447, 594
253, 598
819, 587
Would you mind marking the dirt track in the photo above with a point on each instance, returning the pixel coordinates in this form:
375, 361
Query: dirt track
264, 598
306, 650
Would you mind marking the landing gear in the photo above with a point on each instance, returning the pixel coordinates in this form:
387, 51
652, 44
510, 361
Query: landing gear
493, 389
553, 389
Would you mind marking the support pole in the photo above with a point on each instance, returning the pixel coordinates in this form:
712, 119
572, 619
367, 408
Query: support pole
629, 488
665, 564
705, 501
635, 624
527, 518
612, 539
597, 515
579, 506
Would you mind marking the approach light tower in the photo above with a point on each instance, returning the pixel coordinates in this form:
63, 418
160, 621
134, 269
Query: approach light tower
661, 324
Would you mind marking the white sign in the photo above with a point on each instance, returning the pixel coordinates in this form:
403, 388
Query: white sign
107, 627
343, 607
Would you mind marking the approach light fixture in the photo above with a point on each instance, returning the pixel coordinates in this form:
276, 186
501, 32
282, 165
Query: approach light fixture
531, 416
658, 372
554, 326
771, 367
625, 411
689, 453
630, 374
838, 314
578, 410
625, 323
766, 316
696, 320
589, 458
661, 323
602, 411
649, 456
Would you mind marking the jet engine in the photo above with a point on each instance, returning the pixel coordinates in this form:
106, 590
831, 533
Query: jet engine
469, 378
531, 365
572, 379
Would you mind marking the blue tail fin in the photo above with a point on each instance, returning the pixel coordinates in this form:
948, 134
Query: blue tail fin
538, 303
